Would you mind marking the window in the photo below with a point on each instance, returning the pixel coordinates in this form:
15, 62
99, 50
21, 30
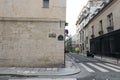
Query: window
110, 22
92, 30
101, 25
87, 40
92, 36
45, 3
82, 35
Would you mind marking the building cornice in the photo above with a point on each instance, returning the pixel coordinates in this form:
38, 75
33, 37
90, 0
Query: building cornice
30, 19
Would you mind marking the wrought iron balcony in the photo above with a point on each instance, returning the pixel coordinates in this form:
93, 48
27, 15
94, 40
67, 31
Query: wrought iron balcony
110, 28
101, 32
92, 36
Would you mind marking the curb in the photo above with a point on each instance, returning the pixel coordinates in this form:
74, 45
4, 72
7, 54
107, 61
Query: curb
107, 59
13, 71
48, 73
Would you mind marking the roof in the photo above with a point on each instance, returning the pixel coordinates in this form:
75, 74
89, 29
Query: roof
100, 11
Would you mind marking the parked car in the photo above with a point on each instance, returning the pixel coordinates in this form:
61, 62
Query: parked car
90, 54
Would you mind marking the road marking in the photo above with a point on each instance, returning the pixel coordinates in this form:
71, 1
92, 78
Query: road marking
108, 67
115, 66
87, 68
47, 79
97, 67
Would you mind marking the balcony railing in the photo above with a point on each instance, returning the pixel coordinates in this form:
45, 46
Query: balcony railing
110, 28
100, 32
92, 36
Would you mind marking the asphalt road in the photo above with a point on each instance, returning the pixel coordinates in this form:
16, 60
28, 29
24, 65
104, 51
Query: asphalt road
94, 69
91, 69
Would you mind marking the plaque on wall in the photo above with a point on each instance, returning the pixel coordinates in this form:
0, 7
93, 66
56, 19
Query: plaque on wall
60, 38
52, 35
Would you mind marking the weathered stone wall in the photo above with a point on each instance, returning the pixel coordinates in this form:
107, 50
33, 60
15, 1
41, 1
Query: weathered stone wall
26, 42
33, 9
29, 33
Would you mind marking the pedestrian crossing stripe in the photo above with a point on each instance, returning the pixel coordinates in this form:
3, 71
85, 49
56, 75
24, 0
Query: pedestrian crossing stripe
108, 67
113, 65
103, 67
97, 67
87, 68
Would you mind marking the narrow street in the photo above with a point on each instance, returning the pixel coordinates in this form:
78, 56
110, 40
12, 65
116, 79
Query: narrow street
93, 69
90, 69
59, 40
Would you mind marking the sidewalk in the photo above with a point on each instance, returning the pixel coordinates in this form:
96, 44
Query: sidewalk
70, 69
108, 59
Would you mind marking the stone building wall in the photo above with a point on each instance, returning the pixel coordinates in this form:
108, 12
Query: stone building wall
27, 43
33, 9
29, 33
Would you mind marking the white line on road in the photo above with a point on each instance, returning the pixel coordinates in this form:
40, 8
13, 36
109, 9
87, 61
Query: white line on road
87, 68
115, 66
117, 70
97, 67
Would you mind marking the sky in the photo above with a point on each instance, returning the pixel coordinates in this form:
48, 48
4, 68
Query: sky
72, 11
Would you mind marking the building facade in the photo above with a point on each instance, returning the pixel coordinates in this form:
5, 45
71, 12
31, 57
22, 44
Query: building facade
104, 30
86, 14
68, 45
74, 42
31, 33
